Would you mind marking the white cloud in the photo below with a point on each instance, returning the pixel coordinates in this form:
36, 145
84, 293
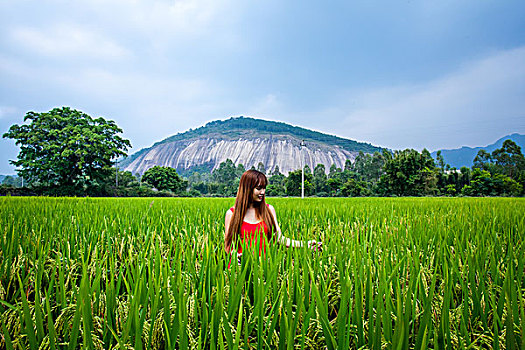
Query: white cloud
68, 40
478, 103
115, 29
147, 107
160, 19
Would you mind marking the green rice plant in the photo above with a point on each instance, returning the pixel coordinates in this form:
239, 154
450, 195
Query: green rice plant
152, 273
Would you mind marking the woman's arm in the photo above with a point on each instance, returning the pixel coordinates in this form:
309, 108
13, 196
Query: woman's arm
227, 220
281, 239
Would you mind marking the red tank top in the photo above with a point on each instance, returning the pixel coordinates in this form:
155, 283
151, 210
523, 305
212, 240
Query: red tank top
251, 233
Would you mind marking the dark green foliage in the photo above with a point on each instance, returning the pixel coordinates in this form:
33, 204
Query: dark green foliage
79, 150
165, 178
6, 190
320, 180
483, 160
483, 183
410, 173
293, 183
508, 160
480, 185
404, 173
370, 167
355, 188
261, 168
125, 185
501, 172
226, 177
276, 184
13, 181
336, 179
225, 173
65, 150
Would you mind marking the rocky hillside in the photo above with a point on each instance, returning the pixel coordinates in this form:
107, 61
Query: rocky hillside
246, 141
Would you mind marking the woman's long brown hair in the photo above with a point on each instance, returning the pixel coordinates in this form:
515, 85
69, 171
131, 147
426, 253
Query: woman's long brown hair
249, 180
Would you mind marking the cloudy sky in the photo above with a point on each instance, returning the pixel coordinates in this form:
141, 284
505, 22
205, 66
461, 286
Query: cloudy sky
399, 74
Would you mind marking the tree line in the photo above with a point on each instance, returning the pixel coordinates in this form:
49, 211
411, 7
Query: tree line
66, 152
401, 173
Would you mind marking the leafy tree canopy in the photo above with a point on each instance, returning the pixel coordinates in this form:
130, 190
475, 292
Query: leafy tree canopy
66, 148
261, 167
164, 178
226, 173
293, 183
13, 181
410, 173
509, 160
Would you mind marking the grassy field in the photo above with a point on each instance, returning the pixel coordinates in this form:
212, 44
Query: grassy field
151, 273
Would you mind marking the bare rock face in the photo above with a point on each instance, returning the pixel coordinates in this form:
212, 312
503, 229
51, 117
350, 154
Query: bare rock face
247, 141
283, 151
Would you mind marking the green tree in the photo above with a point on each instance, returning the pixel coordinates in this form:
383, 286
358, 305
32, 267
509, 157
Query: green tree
240, 170
67, 149
293, 183
506, 186
348, 165
225, 173
376, 166
481, 184
440, 160
483, 160
410, 173
227, 178
450, 190
333, 171
320, 180
509, 160
506, 166
195, 177
464, 178
354, 188
165, 178
128, 186
369, 167
261, 167
276, 183
13, 181
276, 171
200, 187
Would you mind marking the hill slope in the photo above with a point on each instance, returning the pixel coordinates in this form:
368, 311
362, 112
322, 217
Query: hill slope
464, 156
246, 141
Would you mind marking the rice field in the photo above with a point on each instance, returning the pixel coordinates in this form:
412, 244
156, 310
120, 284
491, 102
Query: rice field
407, 273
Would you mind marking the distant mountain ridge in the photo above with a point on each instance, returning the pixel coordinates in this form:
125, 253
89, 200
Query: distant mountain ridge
464, 156
246, 141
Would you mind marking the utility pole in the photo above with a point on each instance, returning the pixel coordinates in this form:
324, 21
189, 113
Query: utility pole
116, 172
302, 168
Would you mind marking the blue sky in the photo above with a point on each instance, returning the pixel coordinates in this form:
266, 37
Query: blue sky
403, 74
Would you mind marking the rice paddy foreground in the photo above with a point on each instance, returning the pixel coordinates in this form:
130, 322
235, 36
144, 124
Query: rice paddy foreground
395, 273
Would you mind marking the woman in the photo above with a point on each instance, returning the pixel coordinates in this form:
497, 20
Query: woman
252, 221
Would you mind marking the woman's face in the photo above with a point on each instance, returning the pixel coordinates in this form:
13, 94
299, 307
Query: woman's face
258, 193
